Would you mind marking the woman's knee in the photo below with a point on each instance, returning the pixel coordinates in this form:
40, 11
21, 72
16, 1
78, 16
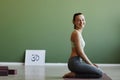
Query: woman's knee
100, 74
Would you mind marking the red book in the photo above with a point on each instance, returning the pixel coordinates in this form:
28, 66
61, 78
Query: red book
3, 67
3, 71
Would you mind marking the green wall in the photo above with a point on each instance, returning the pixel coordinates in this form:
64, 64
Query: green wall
47, 24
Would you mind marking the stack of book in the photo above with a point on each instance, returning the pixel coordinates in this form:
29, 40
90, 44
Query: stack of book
5, 71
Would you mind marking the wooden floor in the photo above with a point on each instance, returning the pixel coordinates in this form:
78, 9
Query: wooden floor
51, 72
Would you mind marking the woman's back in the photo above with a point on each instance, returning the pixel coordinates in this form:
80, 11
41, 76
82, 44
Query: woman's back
81, 42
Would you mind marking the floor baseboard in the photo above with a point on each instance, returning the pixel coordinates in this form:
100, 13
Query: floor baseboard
50, 64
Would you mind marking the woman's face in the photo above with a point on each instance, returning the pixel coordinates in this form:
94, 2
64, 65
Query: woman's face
79, 21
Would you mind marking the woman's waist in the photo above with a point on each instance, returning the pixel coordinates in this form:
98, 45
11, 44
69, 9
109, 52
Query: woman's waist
73, 52
75, 58
73, 55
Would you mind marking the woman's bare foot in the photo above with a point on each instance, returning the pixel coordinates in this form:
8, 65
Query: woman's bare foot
69, 75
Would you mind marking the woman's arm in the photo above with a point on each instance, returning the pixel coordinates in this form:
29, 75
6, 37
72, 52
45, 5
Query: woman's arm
79, 49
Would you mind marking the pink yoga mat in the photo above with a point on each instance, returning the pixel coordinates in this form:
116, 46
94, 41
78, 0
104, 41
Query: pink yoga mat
104, 77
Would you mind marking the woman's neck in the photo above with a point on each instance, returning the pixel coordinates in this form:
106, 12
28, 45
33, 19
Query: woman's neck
80, 30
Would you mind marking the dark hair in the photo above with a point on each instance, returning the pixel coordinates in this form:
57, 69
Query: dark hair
76, 14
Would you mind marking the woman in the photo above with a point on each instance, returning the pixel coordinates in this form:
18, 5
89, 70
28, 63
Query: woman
76, 66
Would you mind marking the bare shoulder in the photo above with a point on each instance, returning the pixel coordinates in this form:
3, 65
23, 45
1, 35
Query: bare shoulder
74, 35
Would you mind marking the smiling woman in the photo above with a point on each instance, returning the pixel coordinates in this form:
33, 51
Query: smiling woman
78, 68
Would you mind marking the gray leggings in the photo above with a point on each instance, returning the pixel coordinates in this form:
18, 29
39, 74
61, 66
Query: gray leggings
83, 70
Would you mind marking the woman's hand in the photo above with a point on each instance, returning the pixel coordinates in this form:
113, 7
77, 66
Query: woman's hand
95, 65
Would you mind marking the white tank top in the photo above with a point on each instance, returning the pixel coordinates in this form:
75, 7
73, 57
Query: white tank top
82, 42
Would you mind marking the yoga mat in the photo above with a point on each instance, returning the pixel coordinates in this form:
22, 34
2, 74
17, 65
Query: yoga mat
104, 77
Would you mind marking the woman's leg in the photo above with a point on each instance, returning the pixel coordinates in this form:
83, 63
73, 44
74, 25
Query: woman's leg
87, 71
83, 70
